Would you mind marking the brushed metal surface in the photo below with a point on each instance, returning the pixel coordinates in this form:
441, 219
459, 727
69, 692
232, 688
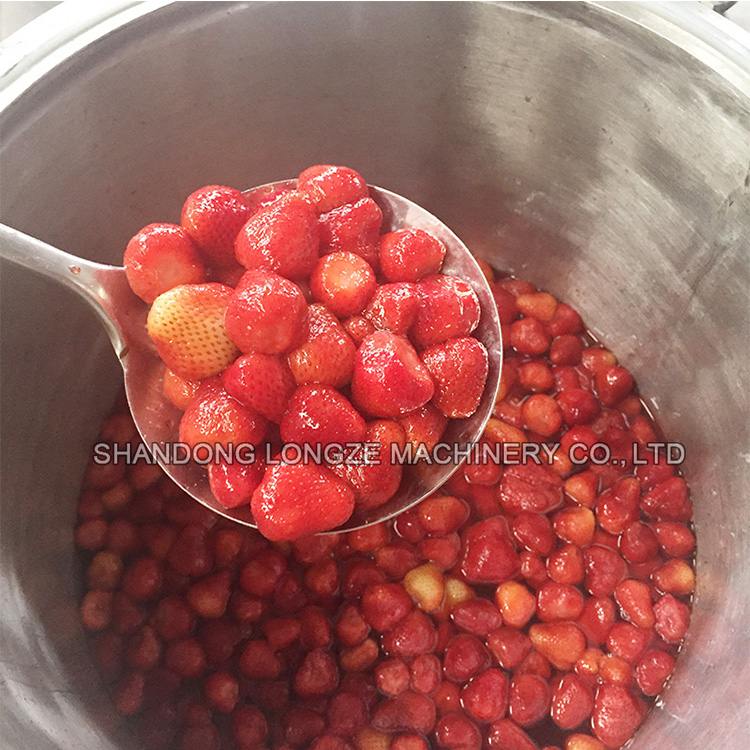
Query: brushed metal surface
602, 152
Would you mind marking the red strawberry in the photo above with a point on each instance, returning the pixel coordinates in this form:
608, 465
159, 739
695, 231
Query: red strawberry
214, 215
258, 199
215, 417
668, 501
159, 258
329, 187
344, 282
266, 313
295, 501
179, 390
389, 379
616, 716
410, 254
281, 237
376, 482
672, 618
353, 228
262, 382
228, 275
319, 414
572, 701
530, 488
233, 483
394, 307
318, 675
487, 553
406, 713
448, 308
187, 325
424, 426
359, 328
459, 369
328, 354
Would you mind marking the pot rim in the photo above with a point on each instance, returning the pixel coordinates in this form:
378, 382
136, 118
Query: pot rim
58, 34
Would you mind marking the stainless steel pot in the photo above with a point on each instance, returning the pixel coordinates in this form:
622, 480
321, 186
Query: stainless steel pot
602, 151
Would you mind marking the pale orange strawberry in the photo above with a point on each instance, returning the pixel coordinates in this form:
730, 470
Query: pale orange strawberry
179, 390
187, 325
327, 356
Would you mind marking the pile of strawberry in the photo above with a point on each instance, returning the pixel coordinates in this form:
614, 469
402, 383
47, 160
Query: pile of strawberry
291, 319
521, 607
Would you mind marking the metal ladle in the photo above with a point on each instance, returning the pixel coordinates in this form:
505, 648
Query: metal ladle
124, 314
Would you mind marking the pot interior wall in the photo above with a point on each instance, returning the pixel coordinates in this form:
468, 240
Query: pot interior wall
563, 143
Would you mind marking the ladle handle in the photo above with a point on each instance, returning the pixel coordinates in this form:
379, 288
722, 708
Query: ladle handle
85, 277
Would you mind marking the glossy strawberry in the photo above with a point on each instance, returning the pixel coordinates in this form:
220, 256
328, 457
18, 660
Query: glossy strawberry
505, 734
448, 308
233, 483
572, 701
668, 501
266, 313
213, 216
217, 418
320, 415
616, 716
377, 481
459, 369
294, 501
562, 643
187, 325
352, 228
486, 696
394, 307
179, 390
329, 187
262, 382
358, 328
410, 255
389, 380
424, 426
344, 282
159, 258
327, 355
281, 237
